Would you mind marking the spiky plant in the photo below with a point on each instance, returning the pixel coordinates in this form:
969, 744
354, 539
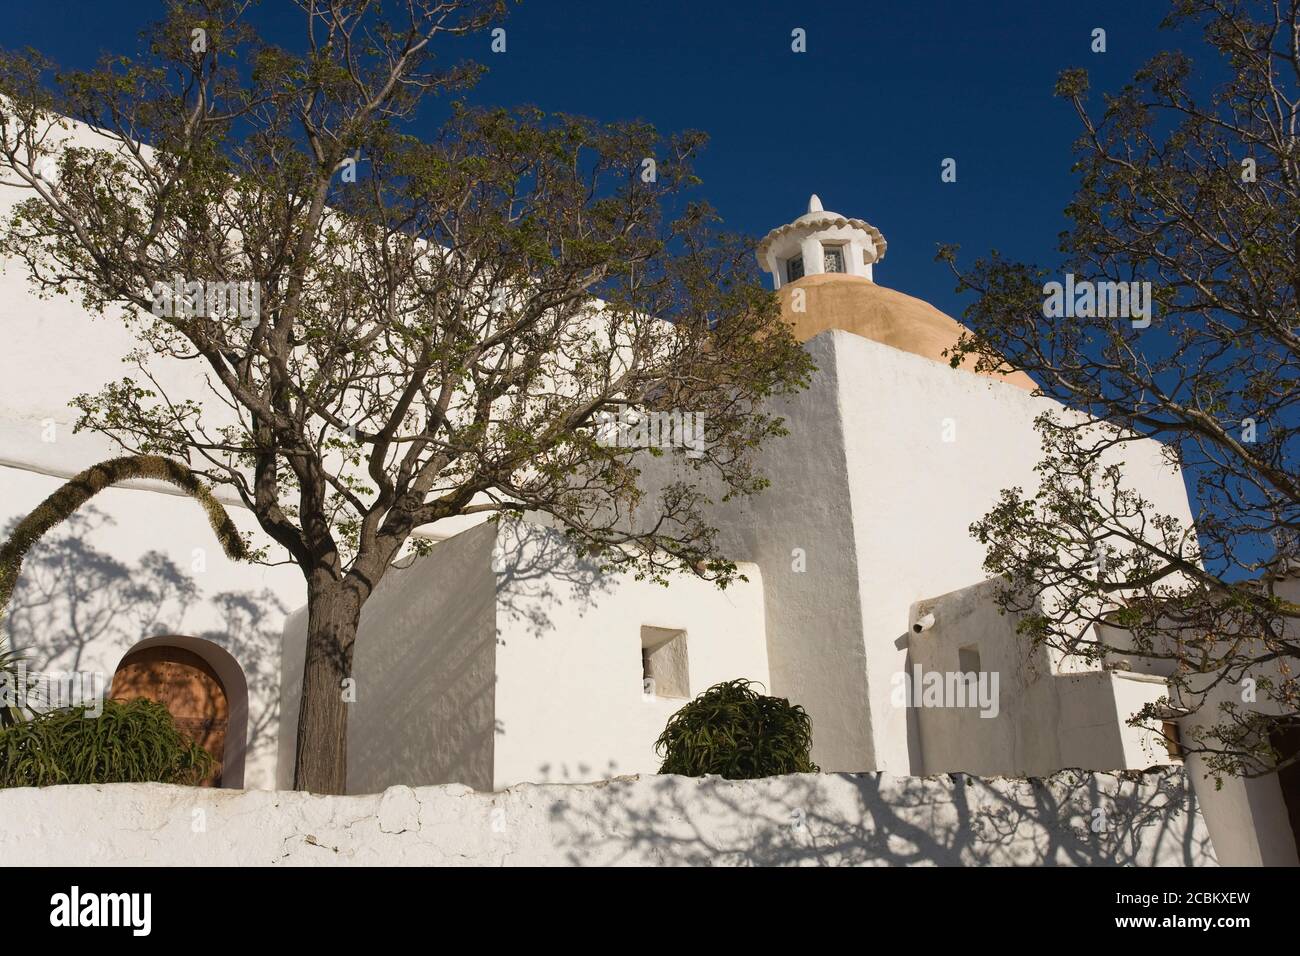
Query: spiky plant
10, 712
735, 732
130, 742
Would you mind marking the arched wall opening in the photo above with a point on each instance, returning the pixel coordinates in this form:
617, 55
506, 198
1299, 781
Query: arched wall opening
151, 664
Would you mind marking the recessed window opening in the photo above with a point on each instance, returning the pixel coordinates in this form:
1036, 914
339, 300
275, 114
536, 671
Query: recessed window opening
665, 669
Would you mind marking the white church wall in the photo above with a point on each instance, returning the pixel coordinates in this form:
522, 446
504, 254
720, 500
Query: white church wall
570, 700
53, 351
499, 658
877, 506
133, 564
890, 458
1048, 721
928, 450
800, 532
423, 668
797, 820
1042, 721
1020, 736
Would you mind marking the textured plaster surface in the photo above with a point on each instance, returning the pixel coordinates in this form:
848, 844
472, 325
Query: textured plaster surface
1070, 818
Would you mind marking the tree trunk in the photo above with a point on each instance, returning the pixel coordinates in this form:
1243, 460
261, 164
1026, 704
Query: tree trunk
333, 612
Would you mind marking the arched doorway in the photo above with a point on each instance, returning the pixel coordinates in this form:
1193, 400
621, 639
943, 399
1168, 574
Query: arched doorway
208, 700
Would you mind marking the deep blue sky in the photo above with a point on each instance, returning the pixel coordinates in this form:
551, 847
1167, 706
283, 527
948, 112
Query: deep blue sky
886, 90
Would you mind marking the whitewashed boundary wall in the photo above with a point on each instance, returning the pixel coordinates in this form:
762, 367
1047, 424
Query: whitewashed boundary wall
1071, 819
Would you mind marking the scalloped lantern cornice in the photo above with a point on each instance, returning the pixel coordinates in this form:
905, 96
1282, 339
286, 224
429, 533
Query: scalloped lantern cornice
816, 222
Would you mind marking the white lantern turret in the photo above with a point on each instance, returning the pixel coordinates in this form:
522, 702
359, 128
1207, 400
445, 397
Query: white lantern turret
820, 242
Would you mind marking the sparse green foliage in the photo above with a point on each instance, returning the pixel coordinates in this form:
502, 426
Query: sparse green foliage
1197, 192
441, 321
130, 742
735, 732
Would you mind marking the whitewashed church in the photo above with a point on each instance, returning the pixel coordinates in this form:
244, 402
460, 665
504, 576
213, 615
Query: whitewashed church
499, 658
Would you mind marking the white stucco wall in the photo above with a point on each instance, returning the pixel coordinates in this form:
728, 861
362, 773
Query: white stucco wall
1044, 720
799, 820
55, 350
569, 698
423, 671
914, 494
136, 563
800, 531
879, 503
499, 658
139, 559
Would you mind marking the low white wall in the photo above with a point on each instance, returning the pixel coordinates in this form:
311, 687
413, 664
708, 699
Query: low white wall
1068, 819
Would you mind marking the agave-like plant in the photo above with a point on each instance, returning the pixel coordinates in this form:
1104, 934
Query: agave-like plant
735, 732
134, 741
10, 712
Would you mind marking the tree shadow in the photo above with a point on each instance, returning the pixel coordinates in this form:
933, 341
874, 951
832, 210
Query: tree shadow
537, 569
1072, 818
78, 608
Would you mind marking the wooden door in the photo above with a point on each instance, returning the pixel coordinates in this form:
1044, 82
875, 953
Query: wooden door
188, 687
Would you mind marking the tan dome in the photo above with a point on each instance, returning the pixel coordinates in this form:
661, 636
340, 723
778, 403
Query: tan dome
855, 304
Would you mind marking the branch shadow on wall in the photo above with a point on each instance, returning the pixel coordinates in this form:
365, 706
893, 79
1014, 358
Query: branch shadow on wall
77, 608
1070, 819
538, 570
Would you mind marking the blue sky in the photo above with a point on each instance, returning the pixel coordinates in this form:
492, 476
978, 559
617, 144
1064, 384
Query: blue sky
885, 91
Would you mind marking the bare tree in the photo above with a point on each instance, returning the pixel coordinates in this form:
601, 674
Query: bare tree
439, 324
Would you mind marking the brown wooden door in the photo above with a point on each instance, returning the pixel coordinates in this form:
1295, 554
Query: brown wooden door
188, 687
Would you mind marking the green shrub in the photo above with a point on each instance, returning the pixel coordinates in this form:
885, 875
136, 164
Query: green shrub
130, 742
737, 733
10, 713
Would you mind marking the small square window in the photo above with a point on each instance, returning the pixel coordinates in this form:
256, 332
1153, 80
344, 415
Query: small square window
968, 659
794, 269
665, 670
832, 259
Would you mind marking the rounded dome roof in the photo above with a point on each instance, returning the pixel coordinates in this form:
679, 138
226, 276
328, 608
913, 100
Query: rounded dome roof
856, 304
